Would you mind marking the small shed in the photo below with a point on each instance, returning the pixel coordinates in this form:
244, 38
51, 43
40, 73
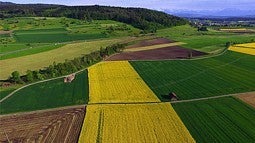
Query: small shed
69, 78
173, 96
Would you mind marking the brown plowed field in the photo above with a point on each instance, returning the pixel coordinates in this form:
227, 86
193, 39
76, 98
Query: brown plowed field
174, 52
156, 41
60, 126
249, 98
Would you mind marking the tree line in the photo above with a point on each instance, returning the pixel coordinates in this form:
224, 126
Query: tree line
144, 19
69, 66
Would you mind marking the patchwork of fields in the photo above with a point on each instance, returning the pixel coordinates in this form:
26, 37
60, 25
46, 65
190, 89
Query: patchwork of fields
127, 101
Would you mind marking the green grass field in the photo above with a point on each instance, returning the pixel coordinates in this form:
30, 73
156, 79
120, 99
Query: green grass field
29, 51
56, 35
226, 74
210, 42
50, 94
4, 93
225, 120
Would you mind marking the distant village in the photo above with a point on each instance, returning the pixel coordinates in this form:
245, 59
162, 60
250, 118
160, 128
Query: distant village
223, 22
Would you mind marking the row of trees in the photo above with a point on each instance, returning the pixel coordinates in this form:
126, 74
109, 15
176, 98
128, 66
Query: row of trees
144, 19
69, 66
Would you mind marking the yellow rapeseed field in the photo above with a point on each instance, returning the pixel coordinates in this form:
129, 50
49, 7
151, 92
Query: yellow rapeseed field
117, 82
248, 48
233, 29
154, 47
133, 123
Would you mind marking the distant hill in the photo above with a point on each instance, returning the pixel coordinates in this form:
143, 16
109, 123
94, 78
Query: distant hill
144, 19
224, 13
6, 3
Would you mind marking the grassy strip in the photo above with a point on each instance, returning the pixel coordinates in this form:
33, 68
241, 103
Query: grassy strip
226, 74
218, 120
50, 94
153, 47
30, 51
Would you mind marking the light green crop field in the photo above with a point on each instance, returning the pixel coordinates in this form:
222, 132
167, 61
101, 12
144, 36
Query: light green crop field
210, 42
225, 74
50, 94
46, 58
225, 120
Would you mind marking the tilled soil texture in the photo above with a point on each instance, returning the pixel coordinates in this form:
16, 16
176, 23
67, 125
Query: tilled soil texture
174, 52
249, 98
60, 125
156, 41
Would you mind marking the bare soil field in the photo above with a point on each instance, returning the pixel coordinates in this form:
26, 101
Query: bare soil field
173, 52
249, 98
5, 32
156, 41
60, 125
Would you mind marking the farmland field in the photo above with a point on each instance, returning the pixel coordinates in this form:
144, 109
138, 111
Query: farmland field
210, 41
218, 120
117, 82
29, 51
153, 47
133, 123
52, 36
248, 48
43, 59
50, 94
225, 74
56, 125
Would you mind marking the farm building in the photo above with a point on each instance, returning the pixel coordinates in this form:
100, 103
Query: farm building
173, 96
69, 78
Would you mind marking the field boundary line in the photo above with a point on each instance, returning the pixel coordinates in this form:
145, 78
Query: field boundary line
121, 103
43, 110
208, 98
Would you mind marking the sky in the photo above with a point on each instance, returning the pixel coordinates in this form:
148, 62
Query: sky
195, 5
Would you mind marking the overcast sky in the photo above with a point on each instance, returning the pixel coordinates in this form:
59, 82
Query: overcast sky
156, 4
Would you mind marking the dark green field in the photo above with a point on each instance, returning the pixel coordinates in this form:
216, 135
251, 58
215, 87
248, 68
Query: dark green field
50, 94
225, 74
225, 120
53, 36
